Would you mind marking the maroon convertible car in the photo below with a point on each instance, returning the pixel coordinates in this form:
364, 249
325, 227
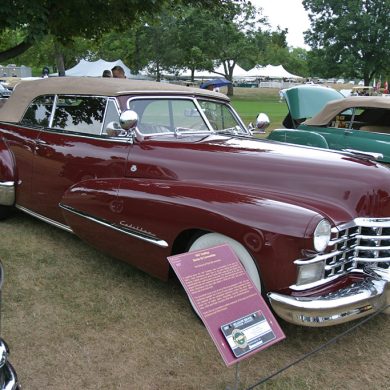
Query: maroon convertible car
146, 170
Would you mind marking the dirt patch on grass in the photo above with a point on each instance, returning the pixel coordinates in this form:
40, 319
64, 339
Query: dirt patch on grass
75, 318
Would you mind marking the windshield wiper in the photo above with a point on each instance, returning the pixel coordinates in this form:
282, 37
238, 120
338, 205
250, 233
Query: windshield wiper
236, 130
187, 130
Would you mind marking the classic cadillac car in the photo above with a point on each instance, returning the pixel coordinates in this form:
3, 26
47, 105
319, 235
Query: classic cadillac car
145, 170
322, 117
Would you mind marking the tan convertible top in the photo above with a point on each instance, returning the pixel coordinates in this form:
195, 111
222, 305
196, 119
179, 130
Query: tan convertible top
335, 107
26, 91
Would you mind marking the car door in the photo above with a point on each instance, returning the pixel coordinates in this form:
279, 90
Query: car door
21, 139
74, 149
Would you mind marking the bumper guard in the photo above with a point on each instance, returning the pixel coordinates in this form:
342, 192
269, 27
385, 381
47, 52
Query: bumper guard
355, 301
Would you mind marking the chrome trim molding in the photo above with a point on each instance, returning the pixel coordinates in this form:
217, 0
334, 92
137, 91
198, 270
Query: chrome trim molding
7, 193
120, 228
45, 219
364, 155
357, 300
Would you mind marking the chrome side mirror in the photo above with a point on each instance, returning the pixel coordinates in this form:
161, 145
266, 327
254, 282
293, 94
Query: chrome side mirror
128, 119
262, 122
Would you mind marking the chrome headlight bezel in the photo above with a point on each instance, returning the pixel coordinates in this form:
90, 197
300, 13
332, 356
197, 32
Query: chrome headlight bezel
322, 235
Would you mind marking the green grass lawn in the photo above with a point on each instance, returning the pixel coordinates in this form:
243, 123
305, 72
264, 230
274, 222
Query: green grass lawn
249, 102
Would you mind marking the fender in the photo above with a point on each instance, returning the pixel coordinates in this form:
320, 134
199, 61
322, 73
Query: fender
138, 220
7, 175
300, 137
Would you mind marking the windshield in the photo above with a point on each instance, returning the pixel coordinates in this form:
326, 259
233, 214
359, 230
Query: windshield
180, 115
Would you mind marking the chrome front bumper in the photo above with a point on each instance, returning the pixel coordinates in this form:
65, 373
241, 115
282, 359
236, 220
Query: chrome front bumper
357, 300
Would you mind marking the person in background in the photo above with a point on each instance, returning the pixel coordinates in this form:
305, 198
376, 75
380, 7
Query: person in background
107, 73
118, 72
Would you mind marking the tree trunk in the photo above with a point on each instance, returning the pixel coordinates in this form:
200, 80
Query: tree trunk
60, 61
158, 74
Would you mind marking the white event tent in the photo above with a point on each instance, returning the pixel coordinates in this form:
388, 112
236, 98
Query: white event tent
219, 72
272, 72
96, 68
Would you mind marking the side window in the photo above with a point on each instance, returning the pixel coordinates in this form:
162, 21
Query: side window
81, 114
345, 119
38, 112
112, 114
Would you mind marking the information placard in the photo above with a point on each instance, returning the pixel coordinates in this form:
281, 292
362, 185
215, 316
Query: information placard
232, 309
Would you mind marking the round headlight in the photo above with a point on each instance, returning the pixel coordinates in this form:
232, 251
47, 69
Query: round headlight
322, 235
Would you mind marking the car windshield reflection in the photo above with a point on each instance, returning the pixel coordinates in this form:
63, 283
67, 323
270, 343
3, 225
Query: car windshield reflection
175, 115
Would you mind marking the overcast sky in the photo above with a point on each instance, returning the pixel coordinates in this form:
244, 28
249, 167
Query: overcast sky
288, 14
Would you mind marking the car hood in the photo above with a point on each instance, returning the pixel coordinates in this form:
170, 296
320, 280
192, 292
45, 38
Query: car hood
337, 185
306, 101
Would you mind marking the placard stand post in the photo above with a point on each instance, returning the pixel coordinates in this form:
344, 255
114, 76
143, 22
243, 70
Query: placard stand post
236, 379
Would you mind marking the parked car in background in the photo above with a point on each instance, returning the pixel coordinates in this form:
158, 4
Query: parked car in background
362, 90
323, 118
8, 377
145, 170
4, 92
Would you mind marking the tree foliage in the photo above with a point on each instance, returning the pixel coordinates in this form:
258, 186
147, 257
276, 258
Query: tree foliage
180, 35
67, 20
349, 37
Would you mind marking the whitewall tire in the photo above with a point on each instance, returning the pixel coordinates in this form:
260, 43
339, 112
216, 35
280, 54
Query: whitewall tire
213, 239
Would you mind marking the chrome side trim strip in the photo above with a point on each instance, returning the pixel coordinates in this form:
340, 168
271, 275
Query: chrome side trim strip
7, 193
45, 219
133, 233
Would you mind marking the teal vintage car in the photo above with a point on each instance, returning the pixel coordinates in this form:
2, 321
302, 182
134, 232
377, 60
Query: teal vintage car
322, 117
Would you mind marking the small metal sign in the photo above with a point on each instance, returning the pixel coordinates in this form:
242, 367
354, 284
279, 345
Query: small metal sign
248, 333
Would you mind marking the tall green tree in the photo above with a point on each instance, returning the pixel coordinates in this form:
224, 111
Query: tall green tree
193, 29
231, 37
296, 62
65, 21
352, 35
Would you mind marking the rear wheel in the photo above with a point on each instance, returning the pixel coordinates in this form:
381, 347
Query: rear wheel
212, 239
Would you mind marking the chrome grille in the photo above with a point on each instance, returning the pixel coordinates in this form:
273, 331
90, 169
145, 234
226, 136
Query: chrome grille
365, 241
361, 244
